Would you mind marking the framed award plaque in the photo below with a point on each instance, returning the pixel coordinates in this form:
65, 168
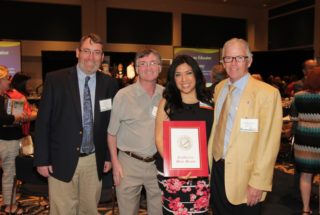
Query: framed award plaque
185, 148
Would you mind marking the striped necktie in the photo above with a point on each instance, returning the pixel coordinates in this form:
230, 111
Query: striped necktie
218, 140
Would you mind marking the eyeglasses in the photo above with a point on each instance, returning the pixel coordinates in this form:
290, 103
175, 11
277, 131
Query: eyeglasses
144, 64
239, 59
89, 52
8, 77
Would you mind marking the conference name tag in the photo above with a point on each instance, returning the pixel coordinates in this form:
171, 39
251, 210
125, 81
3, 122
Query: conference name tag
154, 111
105, 105
249, 125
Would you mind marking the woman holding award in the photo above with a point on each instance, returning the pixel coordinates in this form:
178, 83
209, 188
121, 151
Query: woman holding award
185, 99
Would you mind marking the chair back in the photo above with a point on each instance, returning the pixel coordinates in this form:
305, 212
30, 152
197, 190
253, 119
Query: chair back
26, 172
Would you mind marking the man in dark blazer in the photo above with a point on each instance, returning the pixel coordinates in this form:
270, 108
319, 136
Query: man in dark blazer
74, 176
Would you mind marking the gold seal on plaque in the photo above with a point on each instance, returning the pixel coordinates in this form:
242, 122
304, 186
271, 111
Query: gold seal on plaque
184, 142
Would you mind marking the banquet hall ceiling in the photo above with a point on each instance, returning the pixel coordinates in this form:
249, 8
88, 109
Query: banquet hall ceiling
250, 3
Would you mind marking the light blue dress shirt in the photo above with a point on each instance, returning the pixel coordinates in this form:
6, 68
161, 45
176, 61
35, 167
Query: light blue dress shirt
92, 87
236, 96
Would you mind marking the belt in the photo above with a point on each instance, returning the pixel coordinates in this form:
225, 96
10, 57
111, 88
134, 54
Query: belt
84, 154
146, 159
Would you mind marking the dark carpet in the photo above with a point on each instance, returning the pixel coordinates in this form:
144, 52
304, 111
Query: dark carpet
285, 196
283, 200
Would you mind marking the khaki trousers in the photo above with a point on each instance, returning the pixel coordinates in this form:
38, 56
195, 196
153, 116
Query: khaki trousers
9, 149
81, 195
137, 174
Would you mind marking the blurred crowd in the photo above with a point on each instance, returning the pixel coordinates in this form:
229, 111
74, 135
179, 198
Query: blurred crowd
124, 77
243, 137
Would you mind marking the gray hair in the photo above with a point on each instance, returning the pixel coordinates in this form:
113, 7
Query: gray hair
237, 40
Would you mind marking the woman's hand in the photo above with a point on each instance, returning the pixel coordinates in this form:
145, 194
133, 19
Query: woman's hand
188, 176
20, 118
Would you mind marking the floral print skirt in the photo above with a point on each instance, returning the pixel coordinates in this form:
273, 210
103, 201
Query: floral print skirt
182, 197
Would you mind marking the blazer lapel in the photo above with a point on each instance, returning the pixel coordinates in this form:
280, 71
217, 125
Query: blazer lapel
246, 100
74, 88
216, 97
217, 93
98, 96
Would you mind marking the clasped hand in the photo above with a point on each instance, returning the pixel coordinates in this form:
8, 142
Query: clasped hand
188, 176
24, 117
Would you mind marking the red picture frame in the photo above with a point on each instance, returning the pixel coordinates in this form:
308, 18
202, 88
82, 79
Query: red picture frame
182, 164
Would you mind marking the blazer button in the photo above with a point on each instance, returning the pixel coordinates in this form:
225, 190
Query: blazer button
80, 132
78, 148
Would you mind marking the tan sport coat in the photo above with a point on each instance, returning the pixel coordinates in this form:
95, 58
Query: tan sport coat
251, 156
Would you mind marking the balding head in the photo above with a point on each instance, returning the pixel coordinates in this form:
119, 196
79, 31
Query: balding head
308, 65
218, 73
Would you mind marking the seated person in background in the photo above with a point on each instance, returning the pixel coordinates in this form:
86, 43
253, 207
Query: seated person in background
105, 68
120, 75
185, 99
10, 137
135, 79
257, 76
125, 81
306, 67
292, 81
217, 74
120, 72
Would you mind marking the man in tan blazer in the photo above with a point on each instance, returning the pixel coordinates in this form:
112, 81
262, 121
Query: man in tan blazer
242, 163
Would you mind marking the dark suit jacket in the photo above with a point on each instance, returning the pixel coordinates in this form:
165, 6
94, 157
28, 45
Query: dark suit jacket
59, 123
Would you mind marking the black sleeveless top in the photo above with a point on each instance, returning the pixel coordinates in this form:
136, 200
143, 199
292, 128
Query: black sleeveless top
190, 112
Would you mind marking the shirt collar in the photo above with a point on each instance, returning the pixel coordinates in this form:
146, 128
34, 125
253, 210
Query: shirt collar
82, 75
241, 83
141, 91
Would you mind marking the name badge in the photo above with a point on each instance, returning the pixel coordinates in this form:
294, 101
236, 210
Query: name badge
249, 125
204, 105
105, 105
154, 111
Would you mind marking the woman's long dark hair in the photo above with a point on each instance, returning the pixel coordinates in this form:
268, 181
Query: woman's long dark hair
172, 93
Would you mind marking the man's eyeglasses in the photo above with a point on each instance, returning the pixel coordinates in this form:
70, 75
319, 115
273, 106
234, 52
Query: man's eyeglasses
239, 59
89, 52
144, 64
